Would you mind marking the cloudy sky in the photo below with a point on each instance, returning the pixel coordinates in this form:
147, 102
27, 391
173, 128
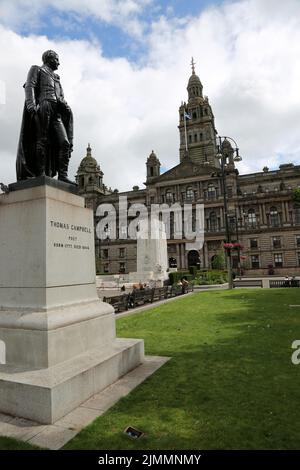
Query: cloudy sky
125, 65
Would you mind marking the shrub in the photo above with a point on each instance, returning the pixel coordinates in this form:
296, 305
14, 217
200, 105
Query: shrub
176, 276
193, 270
211, 277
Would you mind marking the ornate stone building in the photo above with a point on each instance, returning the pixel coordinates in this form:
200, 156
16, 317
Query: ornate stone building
263, 216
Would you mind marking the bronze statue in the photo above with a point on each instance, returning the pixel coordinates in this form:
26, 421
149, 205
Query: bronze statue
46, 137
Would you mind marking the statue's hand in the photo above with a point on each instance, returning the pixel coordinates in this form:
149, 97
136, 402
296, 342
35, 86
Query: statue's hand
32, 109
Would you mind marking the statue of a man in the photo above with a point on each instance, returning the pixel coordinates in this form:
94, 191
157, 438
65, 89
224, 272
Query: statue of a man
46, 137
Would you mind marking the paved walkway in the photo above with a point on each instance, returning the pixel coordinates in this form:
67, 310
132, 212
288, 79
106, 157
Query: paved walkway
54, 436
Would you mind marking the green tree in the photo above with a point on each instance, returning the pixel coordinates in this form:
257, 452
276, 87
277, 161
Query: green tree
219, 260
296, 195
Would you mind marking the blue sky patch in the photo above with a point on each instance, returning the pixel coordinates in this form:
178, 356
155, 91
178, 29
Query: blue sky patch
115, 41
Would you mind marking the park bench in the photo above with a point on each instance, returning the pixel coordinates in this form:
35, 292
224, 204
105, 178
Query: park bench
159, 293
175, 290
140, 297
119, 302
189, 288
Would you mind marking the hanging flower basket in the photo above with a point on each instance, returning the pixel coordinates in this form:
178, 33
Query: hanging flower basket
233, 245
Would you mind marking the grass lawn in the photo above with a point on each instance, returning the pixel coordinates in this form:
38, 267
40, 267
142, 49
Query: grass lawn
229, 385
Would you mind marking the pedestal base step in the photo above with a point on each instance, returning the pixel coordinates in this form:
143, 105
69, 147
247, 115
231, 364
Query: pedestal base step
45, 395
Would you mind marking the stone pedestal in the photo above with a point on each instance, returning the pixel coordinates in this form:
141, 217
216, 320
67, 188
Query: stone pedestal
59, 339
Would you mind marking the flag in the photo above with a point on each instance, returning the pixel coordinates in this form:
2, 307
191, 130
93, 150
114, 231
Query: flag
187, 116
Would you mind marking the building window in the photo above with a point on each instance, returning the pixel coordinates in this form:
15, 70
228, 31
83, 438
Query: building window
278, 260
298, 241
213, 245
169, 196
195, 138
152, 199
122, 268
172, 248
297, 215
251, 217
211, 191
201, 136
298, 258
254, 261
276, 242
274, 217
105, 254
189, 194
213, 226
123, 231
229, 192
106, 268
253, 243
122, 252
190, 139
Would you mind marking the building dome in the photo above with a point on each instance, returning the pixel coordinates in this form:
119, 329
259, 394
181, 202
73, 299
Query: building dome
194, 80
89, 176
88, 163
153, 158
194, 87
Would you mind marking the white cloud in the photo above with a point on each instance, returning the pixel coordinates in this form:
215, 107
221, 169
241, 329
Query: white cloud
247, 60
122, 13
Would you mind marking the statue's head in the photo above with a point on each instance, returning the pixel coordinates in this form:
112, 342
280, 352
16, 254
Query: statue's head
51, 59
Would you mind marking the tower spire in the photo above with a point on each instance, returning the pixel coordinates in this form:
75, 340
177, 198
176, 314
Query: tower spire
89, 151
193, 66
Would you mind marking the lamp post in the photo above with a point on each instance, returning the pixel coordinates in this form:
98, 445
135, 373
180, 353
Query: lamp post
226, 157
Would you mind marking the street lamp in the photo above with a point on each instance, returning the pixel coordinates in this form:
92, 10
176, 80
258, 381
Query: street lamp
227, 154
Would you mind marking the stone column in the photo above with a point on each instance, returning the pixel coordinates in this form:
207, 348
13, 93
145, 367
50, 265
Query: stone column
264, 214
283, 212
261, 216
286, 203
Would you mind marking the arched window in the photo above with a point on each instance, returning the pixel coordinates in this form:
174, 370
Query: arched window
189, 194
274, 217
193, 259
251, 217
169, 196
195, 137
213, 223
211, 191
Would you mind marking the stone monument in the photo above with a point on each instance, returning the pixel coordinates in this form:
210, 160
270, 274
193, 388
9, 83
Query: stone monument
58, 344
46, 137
152, 254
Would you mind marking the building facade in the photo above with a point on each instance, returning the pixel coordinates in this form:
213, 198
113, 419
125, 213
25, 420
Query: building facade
262, 208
